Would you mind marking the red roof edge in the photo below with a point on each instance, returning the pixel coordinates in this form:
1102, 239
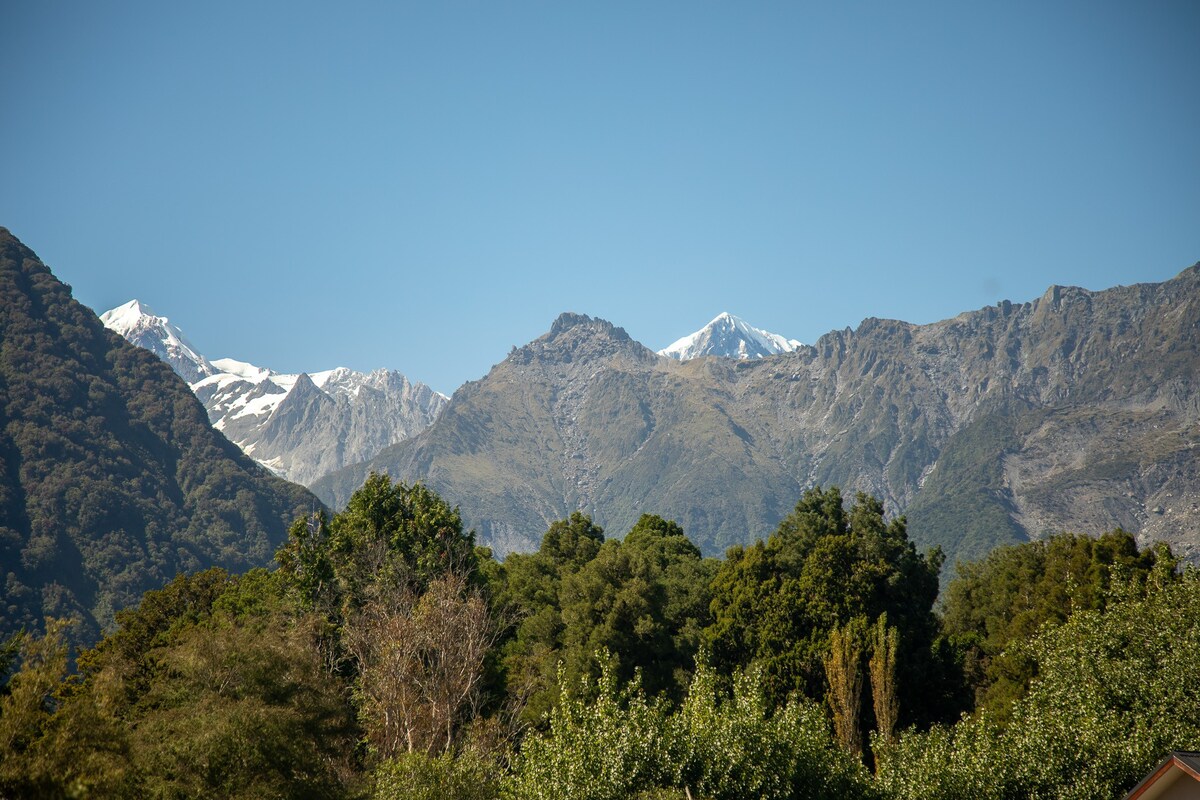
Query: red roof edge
1187, 761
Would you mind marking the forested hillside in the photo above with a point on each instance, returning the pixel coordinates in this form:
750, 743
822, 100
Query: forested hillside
1076, 412
111, 479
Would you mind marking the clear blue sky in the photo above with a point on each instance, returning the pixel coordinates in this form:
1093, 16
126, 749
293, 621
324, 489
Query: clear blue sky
421, 186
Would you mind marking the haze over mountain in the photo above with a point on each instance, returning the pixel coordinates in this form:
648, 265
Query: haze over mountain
301, 426
729, 337
1077, 411
112, 481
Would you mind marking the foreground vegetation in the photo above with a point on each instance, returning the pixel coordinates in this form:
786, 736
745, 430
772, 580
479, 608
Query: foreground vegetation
389, 657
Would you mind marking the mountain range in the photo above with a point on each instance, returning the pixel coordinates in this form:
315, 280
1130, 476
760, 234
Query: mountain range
1077, 411
300, 426
112, 481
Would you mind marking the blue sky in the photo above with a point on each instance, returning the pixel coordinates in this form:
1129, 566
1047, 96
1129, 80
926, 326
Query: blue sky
422, 186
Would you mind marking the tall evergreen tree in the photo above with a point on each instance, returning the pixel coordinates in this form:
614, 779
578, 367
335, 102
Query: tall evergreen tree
777, 602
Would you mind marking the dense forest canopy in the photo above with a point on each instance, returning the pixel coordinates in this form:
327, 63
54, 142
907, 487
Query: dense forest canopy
390, 657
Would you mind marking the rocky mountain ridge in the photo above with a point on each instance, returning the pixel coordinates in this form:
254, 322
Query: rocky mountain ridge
1077, 411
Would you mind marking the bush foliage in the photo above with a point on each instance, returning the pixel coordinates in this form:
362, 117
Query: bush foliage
389, 657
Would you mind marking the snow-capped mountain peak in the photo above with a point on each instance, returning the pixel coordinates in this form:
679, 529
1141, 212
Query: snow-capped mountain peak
341, 381
126, 317
729, 337
298, 425
138, 324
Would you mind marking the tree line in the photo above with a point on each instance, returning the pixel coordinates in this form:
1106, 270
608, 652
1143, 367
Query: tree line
387, 656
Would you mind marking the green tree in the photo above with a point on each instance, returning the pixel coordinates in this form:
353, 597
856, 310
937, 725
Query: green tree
729, 742
613, 742
212, 687
643, 601
843, 674
243, 708
418, 776
1011, 594
526, 588
776, 602
54, 740
390, 540
153, 623
1115, 690
392, 536
686, 578
885, 644
572, 542
603, 744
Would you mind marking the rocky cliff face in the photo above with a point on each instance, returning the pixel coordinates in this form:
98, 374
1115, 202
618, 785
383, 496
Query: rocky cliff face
1078, 411
317, 430
1074, 412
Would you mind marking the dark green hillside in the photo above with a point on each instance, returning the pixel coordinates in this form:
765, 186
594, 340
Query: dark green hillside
111, 479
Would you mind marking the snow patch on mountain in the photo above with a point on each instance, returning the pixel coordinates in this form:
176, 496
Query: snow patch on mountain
241, 369
728, 336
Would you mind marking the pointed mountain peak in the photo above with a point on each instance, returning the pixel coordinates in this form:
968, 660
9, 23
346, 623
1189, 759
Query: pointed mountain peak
141, 326
304, 383
569, 321
729, 337
128, 316
578, 337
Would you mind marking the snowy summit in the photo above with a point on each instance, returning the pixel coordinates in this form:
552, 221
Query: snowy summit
729, 337
138, 324
302, 425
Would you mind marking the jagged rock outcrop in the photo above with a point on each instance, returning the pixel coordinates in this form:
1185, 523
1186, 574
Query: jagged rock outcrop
314, 431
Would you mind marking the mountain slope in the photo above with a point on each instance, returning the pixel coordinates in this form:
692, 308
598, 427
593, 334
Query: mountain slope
1075, 411
729, 337
299, 426
111, 479
583, 417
